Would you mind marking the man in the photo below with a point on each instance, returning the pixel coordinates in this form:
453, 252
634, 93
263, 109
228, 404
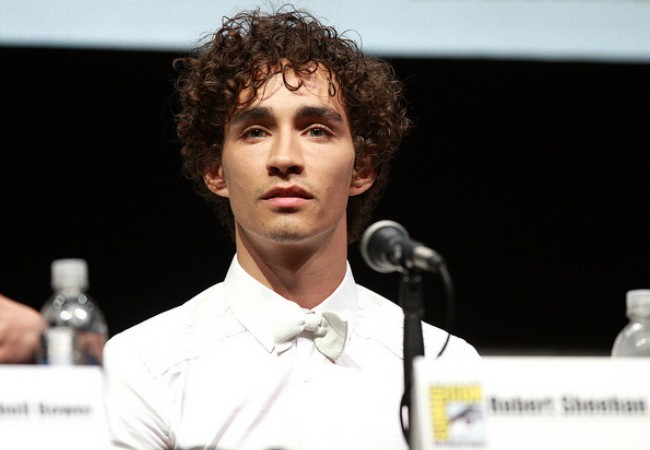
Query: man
288, 128
20, 332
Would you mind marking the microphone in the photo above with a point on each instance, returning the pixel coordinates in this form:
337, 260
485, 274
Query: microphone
387, 247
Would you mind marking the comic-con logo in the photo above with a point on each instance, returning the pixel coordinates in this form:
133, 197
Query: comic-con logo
457, 414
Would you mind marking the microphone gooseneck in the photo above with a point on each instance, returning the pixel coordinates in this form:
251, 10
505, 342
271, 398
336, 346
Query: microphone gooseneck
387, 247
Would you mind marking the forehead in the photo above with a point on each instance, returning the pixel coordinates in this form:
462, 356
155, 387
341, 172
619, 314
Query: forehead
314, 85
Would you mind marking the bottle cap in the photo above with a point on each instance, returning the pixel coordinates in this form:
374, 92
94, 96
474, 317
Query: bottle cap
69, 274
638, 302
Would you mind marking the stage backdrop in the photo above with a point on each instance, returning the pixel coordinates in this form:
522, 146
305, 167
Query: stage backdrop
530, 177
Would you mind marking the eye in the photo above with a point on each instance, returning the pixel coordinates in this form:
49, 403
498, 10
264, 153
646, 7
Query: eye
254, 133
319, 132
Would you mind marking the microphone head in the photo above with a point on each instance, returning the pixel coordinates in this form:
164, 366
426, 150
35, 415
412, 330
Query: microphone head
376, 244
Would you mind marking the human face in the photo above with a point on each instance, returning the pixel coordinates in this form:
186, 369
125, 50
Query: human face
287, 164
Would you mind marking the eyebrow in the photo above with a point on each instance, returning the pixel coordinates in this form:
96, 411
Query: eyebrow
317, 112
305, 112
248, 114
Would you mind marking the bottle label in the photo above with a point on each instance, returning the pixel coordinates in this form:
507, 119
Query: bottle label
60, 345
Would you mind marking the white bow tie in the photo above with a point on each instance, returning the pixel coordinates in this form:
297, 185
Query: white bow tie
327, 329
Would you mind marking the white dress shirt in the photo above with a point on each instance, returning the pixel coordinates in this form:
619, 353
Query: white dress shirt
208, 375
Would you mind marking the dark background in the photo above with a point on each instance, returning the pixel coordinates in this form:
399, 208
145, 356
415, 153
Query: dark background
531, 178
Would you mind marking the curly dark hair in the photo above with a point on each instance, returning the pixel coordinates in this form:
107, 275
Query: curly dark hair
253, 46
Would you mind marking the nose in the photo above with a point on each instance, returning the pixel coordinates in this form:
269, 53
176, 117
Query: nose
285, 156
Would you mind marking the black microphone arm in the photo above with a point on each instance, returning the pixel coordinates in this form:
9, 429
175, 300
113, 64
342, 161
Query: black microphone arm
387, 247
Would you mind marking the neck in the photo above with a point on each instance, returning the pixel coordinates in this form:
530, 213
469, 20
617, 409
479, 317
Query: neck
304, 272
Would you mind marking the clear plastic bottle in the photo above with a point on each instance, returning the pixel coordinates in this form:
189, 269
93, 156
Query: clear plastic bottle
76, 329
634, 339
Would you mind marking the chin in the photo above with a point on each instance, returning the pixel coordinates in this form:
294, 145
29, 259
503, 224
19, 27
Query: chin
289, 230
287, 235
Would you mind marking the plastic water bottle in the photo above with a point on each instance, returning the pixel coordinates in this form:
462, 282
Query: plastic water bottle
634, 339
76, 329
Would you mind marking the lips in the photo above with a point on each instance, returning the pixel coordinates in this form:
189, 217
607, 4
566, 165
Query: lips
287, 198
287, 192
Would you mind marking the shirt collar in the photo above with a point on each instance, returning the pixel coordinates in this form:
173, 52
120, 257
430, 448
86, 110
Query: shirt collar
252, 303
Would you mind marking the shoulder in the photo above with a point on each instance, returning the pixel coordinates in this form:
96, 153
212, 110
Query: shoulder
167, 339
380, 318
448, 347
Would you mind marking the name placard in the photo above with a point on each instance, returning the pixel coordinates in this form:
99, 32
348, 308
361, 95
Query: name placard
509, 403
52, 407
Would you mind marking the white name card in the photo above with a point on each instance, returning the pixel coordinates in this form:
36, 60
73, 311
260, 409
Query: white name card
509, 403
52, 407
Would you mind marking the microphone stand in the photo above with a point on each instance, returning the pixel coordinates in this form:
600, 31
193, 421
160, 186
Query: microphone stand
410, 299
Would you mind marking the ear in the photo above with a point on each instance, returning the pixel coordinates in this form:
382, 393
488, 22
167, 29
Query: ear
363, 176
215, 181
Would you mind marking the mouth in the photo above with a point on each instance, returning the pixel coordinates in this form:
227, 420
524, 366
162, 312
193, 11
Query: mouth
290, 197
287, 192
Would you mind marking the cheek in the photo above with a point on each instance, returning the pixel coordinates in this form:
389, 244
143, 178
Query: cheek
239, 188
236, 172
236, 188
339, 184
